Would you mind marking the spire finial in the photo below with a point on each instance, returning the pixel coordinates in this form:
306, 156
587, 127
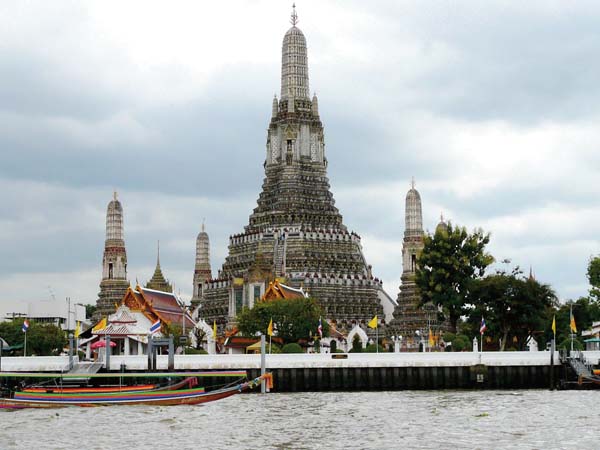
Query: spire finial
441, 217
294, 19
115, 194
158, 253
203, 219
412, 183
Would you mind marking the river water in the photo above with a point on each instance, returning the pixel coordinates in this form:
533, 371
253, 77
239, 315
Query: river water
534, 419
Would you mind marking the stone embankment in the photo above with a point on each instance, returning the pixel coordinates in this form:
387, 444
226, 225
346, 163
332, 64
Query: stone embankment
353, 371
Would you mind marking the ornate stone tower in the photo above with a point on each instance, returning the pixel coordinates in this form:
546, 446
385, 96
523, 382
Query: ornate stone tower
114, 262
295, 233
158, 281
408, 316
202, 271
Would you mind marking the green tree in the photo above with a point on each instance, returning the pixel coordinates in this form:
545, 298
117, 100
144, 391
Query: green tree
512, 305
451, 260
593, 275
90, 310
293, 319
42, 339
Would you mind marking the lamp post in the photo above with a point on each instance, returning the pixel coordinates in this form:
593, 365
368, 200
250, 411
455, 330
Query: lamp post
183, 313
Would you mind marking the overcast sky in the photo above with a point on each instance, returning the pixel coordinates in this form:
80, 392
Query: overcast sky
493, 107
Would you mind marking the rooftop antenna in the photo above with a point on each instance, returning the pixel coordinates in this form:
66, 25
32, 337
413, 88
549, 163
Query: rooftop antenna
294, 19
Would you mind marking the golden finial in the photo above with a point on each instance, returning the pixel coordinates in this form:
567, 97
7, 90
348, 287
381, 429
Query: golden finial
294, 19
412, 183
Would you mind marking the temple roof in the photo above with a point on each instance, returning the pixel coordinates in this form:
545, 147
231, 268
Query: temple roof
277, 290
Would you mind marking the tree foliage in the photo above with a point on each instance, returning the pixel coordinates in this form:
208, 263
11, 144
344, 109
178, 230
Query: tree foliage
43, 339
513, 307
593, 276
451, 260
293, 319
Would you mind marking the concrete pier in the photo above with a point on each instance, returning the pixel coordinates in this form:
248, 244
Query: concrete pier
353, 371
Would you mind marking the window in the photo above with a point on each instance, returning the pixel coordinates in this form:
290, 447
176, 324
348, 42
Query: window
413, 263
110, 271
256, 293
239, 300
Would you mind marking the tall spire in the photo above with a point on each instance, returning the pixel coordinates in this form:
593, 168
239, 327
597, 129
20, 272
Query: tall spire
294, 64
202, 271
114, 261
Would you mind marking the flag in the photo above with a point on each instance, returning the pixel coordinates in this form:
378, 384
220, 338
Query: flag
25, 326
320, 328
554, 325
100, 325
572, 324
482, 327
214, 329
77, 329
270, 328
373, 322
431, 340
155, 328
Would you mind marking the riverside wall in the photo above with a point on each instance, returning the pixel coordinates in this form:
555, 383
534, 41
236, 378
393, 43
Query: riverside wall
352, 371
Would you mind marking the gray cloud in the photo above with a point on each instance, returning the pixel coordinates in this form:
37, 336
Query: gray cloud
492, 108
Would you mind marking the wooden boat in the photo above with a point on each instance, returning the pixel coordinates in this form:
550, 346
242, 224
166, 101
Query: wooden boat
189, 382
193, 396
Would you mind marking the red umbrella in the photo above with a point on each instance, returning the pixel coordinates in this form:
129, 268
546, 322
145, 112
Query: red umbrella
102, 343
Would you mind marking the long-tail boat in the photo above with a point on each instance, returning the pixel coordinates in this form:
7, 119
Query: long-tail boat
190, 396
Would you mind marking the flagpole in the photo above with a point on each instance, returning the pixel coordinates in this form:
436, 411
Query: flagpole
377, 338
25, 345
571, 326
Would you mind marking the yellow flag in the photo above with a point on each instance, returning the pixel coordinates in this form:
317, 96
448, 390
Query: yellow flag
100, 325
214, 329
270, 328
573, 326
77, 329
431, 341
373, 322
554, 325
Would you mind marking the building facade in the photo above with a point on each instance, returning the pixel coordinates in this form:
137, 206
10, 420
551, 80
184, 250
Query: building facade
295, 234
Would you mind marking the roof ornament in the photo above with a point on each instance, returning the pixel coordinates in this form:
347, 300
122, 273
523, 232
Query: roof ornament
203, 219
115, 195
158, 253
294, 19
412, 183
441, 217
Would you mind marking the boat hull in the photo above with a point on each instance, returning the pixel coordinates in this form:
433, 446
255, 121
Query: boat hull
193, 396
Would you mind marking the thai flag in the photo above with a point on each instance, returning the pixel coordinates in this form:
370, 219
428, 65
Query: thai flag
155, 327
482, 327
320, 328
25, 326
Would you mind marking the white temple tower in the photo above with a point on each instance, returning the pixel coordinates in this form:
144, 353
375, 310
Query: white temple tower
114, 262
202, 271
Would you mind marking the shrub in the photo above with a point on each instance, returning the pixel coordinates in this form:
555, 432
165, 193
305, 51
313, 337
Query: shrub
372, 348
195, 351
292, 347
